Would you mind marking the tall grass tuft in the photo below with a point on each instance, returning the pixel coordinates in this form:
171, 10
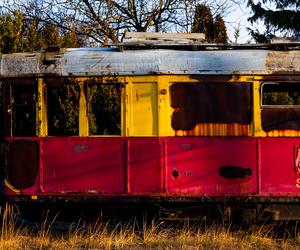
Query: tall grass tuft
133, 235
11, 234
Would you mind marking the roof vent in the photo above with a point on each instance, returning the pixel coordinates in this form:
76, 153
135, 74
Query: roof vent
282, 40
53, 48
157, 38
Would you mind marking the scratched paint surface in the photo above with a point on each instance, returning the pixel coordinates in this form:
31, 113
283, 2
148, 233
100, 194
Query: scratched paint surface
198, 162
145, 166
278, 174
83, 165
101, 61
165, 166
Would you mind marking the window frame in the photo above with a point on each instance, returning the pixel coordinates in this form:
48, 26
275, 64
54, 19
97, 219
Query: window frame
90, 82
47, 81
11, 83
273, 106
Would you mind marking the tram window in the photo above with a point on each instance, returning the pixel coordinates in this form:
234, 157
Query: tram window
104, 105
63, 106
274, 93
2, 127
210, 103
23, 103
280, 106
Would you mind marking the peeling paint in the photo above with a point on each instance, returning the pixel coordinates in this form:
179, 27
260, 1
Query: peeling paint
106, 61
283, 61
79, 148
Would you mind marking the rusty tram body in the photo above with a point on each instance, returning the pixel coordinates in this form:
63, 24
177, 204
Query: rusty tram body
188, 125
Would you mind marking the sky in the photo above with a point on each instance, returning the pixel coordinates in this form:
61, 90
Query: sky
235, 16
239, 15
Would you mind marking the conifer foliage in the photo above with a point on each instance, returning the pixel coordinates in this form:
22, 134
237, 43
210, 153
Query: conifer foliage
220, 33
18, 34
11, 27
277, 15
203, 21
213, 28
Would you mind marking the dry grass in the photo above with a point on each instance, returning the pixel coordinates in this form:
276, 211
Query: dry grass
100, 235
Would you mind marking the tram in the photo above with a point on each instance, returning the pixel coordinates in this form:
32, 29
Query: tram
202, 124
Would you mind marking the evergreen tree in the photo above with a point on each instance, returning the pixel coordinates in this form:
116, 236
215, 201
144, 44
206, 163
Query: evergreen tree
20, 35
203, 22
11, 27
50, 35
214, 29
70, 39
32, 40
63, 108
284, 17
220, 33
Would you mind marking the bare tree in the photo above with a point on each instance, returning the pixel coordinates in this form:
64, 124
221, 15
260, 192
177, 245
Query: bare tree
105, 21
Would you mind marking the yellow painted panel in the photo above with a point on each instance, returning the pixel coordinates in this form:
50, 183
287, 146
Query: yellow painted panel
258, 130
164, 107
83, 114
144, 112
283, 133
256, 110
41, 118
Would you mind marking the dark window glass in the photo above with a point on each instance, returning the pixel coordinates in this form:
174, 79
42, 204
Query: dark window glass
22, 163
280, 106
275, 93
63, 106
104, 104
2, 105
210, 103
23, 103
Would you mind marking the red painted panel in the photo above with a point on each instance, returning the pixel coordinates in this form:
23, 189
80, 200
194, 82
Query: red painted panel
8, 190
83, 165
181, 166
193, 166
278, 173
33, 190
145, 168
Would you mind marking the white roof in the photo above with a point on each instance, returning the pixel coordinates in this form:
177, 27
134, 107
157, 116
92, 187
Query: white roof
102, 61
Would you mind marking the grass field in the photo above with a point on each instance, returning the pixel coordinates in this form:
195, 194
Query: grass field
133, 235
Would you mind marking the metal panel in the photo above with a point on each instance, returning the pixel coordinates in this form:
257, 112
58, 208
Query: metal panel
81, 165
95, 61
21, 63
145, 169
144, 117
278, 175
211, 167
283, 61
160, 35
162, 61
210, 103
100, 61
283, 118
190, 167
22, 163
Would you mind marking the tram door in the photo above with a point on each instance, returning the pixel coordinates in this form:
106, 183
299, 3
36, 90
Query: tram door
2, 129
144, 109
144, 148
23, 102
22, 159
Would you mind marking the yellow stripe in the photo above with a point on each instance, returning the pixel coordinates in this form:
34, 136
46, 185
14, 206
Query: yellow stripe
7, 184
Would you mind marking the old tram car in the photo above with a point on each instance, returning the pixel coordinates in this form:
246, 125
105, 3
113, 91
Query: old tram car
168, 125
